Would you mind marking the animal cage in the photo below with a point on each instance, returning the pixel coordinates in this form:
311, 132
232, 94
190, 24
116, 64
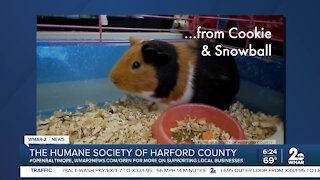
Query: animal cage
74, 58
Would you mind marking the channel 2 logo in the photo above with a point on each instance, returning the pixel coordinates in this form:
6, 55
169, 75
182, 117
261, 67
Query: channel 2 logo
296, 157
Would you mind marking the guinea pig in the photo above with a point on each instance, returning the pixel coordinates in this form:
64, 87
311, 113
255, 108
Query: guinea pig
176, 73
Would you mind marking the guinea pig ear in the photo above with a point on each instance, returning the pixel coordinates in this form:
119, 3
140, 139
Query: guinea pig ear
133, 40
153, 55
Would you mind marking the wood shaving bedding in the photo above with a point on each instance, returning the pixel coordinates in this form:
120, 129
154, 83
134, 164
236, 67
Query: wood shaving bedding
257, 126
128, 121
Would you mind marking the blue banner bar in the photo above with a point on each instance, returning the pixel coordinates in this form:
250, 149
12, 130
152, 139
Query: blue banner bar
169, 155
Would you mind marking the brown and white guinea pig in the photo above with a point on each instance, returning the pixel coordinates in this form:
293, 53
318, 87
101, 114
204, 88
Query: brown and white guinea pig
170, 74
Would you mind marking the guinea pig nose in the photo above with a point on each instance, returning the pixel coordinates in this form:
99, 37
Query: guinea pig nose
115, 82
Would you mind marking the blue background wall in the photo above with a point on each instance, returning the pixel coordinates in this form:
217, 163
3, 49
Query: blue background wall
70, 62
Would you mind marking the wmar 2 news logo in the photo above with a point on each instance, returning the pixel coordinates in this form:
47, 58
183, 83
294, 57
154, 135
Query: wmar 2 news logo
296, 157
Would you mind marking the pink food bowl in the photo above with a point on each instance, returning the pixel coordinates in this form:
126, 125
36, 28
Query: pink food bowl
168, 119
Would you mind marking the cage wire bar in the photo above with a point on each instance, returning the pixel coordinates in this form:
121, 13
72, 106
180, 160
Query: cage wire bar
195, 21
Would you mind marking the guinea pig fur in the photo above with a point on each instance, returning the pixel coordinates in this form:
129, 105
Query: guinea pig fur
176, 73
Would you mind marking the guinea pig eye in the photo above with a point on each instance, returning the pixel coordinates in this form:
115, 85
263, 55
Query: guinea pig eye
135, 65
